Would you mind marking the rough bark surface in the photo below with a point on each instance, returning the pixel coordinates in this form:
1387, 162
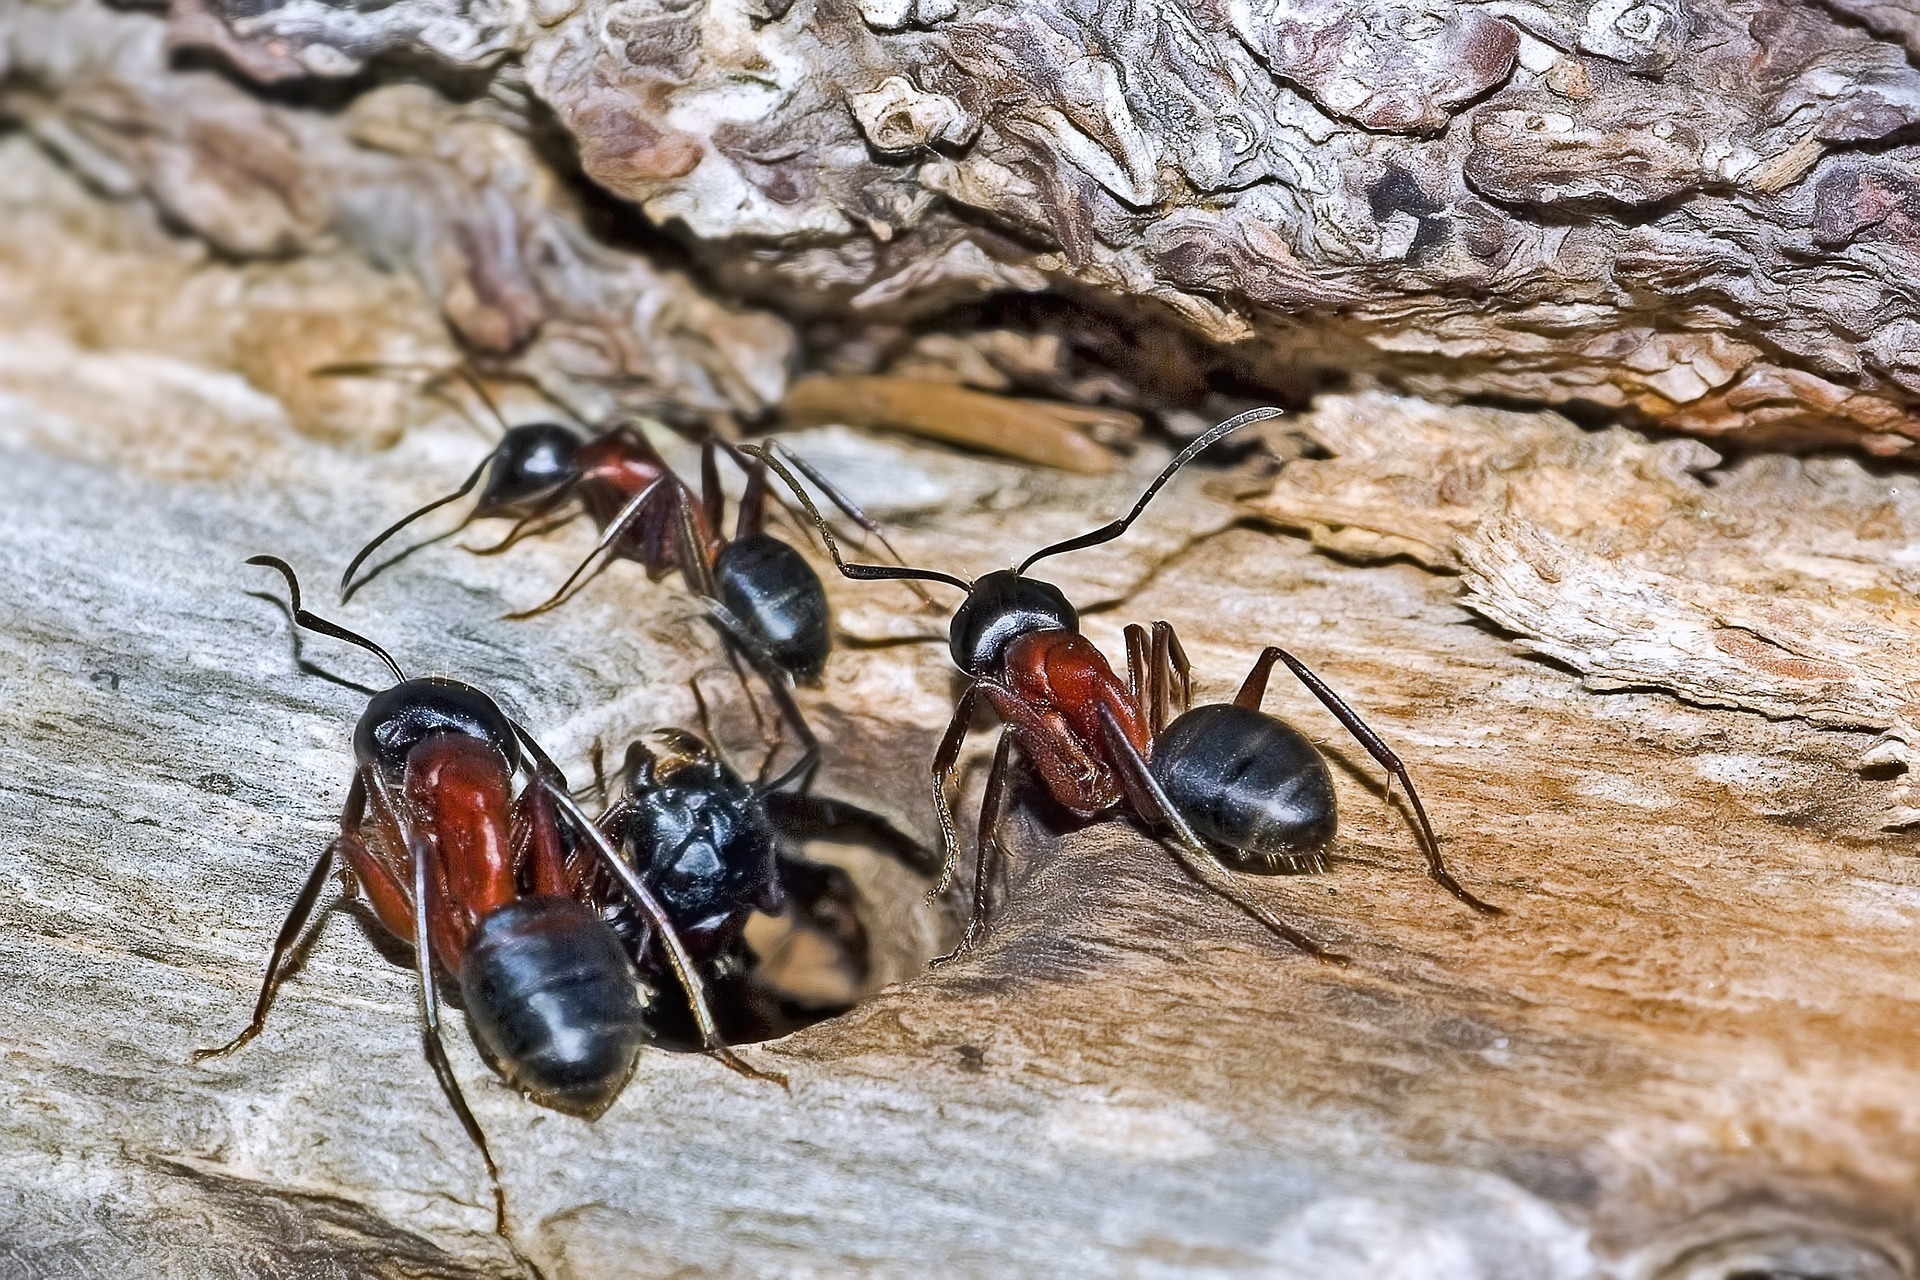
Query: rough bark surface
1687, 1052
1702, 212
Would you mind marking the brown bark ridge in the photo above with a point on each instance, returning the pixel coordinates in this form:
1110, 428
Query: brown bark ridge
1701, 212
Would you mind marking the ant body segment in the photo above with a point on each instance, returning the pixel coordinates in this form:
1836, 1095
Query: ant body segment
479, 882
1232, 785
761, 593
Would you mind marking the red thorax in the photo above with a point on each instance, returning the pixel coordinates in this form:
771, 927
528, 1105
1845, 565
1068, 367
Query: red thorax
1054, 684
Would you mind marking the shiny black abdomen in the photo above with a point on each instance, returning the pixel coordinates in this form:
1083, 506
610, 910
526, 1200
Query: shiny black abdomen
777, 596
398, 719
552, 997
1251, 785
702, 842
533, 463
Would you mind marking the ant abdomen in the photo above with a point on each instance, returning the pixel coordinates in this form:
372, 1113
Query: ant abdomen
554, 1000
1252, 786
778, 598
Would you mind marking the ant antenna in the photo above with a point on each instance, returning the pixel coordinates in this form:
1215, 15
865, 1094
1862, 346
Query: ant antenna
314, 622
436, 375
619, 525
867, 572
1108, 532
347, 585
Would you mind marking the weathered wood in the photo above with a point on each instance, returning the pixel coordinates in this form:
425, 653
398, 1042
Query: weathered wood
1688, 1050
1702, 212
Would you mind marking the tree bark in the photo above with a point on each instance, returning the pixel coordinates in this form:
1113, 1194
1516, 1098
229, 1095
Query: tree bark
1656, 700
1698, 213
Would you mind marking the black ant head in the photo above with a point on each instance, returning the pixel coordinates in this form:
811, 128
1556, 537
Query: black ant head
401, 718
1002, 607
533, 463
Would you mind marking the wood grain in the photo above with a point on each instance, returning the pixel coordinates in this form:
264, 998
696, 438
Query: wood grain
1687, 1052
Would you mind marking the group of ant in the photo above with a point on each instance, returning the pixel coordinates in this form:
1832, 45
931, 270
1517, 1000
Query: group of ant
555, 927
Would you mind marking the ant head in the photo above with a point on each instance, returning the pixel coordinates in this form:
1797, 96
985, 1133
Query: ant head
401, 718
534, 462
1002, 607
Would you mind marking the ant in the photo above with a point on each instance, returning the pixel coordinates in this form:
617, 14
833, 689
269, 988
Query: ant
761, 593
478, 879
713, 846
1232, 784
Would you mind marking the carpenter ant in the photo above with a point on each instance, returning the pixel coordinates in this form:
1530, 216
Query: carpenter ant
1233, 785
714, 848
761, 593
472, 876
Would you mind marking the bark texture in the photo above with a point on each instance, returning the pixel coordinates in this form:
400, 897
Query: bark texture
1700, 212
1687, 1052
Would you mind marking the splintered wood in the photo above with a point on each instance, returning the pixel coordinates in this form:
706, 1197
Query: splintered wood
1688, 1051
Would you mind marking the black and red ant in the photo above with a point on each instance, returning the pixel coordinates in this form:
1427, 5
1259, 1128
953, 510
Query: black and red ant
479, 881
761, 593
1232, 784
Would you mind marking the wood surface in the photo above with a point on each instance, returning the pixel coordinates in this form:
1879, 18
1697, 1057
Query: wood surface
1653, 699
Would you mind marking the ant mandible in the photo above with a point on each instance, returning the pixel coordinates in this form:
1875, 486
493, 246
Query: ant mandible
1233, 785
761, 593
473, 877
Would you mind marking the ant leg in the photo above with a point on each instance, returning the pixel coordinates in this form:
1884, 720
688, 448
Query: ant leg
283, 943
643, 897
1256, 685
1174, 656
545, 865
805, 818
598, 757
609, 536
773, 750
746, 687
839, 499
986, 850
735, 633
534, 524
1187, 847
430, 1034
706, 720
945, 763
1137, 669
753, 504
712, 498
691, 548
858, 572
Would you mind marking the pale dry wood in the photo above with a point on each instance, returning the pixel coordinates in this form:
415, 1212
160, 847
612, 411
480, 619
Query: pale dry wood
1687, 1052
1776, 585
